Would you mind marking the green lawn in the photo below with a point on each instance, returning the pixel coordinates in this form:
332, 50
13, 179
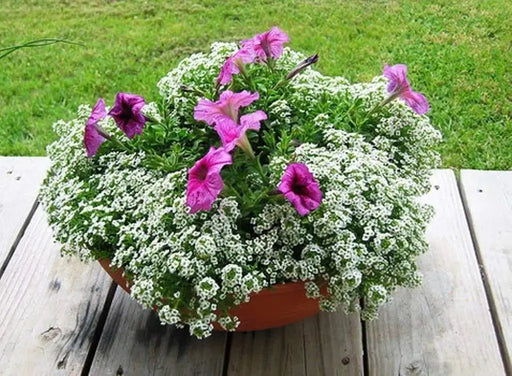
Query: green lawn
459, 55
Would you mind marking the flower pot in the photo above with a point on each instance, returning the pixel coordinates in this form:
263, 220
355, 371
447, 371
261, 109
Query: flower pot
270, 308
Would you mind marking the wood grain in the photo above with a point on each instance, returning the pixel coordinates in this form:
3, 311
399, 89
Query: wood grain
20, 178
327, 344
49, 307
134, 342
444, 327
488, 196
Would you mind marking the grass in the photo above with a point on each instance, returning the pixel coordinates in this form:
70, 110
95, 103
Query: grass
459, 54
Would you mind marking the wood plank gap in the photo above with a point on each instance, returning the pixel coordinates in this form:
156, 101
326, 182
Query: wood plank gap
227, 352
498, 329
18, 237
364, 344
99, 329
366, 371
304, 349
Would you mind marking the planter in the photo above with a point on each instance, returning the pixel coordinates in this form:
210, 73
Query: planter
271, 308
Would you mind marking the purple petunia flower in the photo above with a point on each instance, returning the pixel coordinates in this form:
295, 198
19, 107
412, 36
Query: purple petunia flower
127, 113
226, 108
232, 134
268, 44
235, 64
299, 187
399, 87
204, 180
94, 134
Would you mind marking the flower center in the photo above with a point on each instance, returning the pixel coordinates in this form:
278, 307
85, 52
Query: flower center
229, 110
299, 189
202, 172
400, 90
126, 114
265, 45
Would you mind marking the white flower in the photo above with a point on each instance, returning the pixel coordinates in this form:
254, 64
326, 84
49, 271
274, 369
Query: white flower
207, 288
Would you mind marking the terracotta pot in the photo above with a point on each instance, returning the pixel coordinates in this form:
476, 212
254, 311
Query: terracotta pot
282, 305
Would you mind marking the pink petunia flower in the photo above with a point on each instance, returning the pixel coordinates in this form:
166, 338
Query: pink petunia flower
94, 134
269, 44
204, 180
299, 187
127, 113
226, 108
399, 87
235, 64
232, 134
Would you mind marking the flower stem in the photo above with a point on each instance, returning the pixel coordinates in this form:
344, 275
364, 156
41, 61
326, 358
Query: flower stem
383, 103
230, 188
118, 144
246, 77
248, 150
191, 89
261, 195
271, 63
259, 167
280, 83
246, 146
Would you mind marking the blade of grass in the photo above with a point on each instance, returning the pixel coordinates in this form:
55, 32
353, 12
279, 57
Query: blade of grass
36, 43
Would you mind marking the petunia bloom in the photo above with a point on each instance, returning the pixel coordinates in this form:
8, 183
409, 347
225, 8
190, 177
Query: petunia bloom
299, 187
235, 64
127, 113
226, 108
399, 87
204, 180
94, 134
268, 44
232, 134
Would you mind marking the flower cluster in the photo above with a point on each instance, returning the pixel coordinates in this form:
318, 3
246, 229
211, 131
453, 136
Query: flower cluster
251, 170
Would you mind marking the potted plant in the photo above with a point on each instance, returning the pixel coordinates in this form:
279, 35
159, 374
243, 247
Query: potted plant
253, 193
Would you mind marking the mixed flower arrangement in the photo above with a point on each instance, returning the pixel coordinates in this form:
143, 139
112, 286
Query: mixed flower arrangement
252, 170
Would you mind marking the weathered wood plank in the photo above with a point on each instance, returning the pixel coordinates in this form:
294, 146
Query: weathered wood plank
20, 178
488, 197
444, 327
133, 342
327, 344
49, 306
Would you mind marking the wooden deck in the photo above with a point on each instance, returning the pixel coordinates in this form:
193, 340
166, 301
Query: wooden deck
59, 316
